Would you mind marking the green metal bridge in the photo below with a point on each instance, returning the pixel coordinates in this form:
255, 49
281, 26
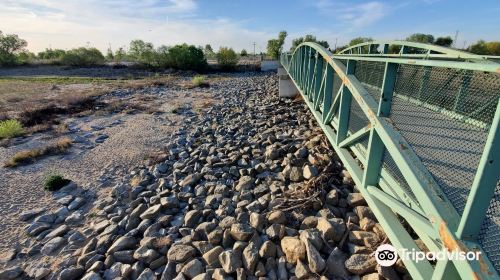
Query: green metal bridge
417, 126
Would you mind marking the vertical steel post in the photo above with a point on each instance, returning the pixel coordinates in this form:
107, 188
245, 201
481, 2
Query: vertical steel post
328, 97
462, 93
318, 74
376, 147
345, 105
390, 72
424, 84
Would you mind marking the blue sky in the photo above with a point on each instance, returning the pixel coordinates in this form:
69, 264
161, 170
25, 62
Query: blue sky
100, 23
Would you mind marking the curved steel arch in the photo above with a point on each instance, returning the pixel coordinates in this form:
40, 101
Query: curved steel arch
431, 51
431, 214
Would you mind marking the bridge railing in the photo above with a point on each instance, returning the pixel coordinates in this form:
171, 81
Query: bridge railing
420, 137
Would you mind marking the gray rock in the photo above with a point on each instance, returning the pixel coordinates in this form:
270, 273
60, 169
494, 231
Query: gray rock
91, 276
52, 245
241, 232
310, 172
65, 200
276, 217
46, 218
250, 257
212, 257
147, 274
361, 264
190, 180
301, 270
293, 248
123, 243
72, 272
145, 254
314, 259
28, 214
355, 199
151, 212
267, 250
114, 271
230, 261
61, 230
193, 268
11, 273
245, 183
181, 253
296, 174
169, 202
77, 203
74, 218
191, 218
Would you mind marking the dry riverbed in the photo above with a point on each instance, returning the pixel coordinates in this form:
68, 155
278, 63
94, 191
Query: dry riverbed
176, 182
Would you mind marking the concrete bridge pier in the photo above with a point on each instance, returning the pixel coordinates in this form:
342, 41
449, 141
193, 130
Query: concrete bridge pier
287, 87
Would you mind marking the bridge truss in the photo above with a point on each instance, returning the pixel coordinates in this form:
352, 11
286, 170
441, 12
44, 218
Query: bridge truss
417, 126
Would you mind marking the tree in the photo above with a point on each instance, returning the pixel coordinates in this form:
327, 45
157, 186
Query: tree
186, 57
243, 52
227, 58
109, 54
485, 48
359, 40
25, 57
444, 41
10, 45
142, 52
493, 48
209, 52
275, 46
308, 38
421, 38
120, 54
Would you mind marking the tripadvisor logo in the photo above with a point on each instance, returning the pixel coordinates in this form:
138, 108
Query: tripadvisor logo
387, 255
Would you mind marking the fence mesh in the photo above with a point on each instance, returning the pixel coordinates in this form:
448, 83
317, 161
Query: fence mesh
489, 235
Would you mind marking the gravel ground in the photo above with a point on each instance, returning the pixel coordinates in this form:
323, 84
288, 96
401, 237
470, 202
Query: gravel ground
249, 189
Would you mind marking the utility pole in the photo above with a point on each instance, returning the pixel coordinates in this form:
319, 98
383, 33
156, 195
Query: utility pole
335, 44
455, 43
254, 49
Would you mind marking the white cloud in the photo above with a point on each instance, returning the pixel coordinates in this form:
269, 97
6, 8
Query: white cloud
68, 24
354, 15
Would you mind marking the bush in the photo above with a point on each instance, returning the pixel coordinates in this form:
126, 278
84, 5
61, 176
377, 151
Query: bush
186, 57
10, 128
55, 182
83, 57
199, 81
227, 58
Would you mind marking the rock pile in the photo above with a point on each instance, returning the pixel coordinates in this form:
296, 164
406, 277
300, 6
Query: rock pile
251, 191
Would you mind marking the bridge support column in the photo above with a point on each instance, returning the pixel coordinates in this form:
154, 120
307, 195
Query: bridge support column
287, 87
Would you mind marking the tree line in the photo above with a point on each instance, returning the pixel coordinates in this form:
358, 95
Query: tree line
481, 47
182, 56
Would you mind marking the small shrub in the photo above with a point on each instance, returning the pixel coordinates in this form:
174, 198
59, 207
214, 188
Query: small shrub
55, 182
10, 129
199, 81
227, 58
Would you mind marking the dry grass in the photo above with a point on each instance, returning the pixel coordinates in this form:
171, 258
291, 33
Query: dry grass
30, 156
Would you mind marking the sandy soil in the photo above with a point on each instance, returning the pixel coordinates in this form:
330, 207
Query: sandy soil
131, 138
